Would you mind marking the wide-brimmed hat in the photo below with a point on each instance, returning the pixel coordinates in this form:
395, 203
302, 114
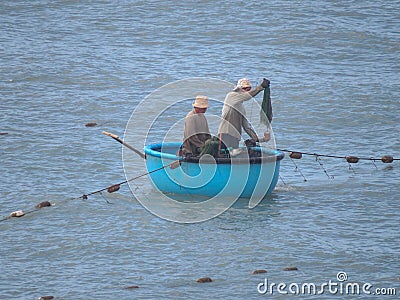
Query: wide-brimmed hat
243, 83
201, 102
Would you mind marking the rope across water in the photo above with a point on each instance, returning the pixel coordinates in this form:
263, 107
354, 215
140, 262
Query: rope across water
292, 154
349, 159
110, 189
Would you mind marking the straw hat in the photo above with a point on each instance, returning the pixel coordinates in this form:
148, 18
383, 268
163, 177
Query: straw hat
242, 83
201, 102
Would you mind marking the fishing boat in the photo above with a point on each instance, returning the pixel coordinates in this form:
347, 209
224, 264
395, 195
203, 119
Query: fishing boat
246, 173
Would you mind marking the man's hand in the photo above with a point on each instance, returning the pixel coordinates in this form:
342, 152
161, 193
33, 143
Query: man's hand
265, 138
265, 83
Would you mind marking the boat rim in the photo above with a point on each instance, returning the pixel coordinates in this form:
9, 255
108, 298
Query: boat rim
272, 155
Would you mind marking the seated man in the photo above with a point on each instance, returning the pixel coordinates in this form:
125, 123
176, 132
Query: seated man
196, 130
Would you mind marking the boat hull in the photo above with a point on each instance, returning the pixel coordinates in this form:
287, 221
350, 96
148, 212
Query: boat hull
223, 177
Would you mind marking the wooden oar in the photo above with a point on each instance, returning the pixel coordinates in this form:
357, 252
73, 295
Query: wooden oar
115, 137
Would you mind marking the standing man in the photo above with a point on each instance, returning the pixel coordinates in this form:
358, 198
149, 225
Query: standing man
234, 114
196, 130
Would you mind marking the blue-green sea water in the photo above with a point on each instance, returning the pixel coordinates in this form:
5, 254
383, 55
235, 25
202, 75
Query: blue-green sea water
334, 68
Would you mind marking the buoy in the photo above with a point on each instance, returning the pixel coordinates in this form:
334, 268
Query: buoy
43, 204
46, 298
91, 124
17, 214
113, 188
259, 272
204, 279
295, 155
352, 159
84, 197
132, 287
290, 269
387, 159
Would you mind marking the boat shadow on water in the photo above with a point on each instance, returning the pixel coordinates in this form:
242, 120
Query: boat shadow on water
239, 203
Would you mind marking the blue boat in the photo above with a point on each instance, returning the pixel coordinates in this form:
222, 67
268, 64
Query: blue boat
241, 175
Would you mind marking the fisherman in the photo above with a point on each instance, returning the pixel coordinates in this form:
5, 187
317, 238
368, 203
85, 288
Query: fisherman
234, 115
196, 130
